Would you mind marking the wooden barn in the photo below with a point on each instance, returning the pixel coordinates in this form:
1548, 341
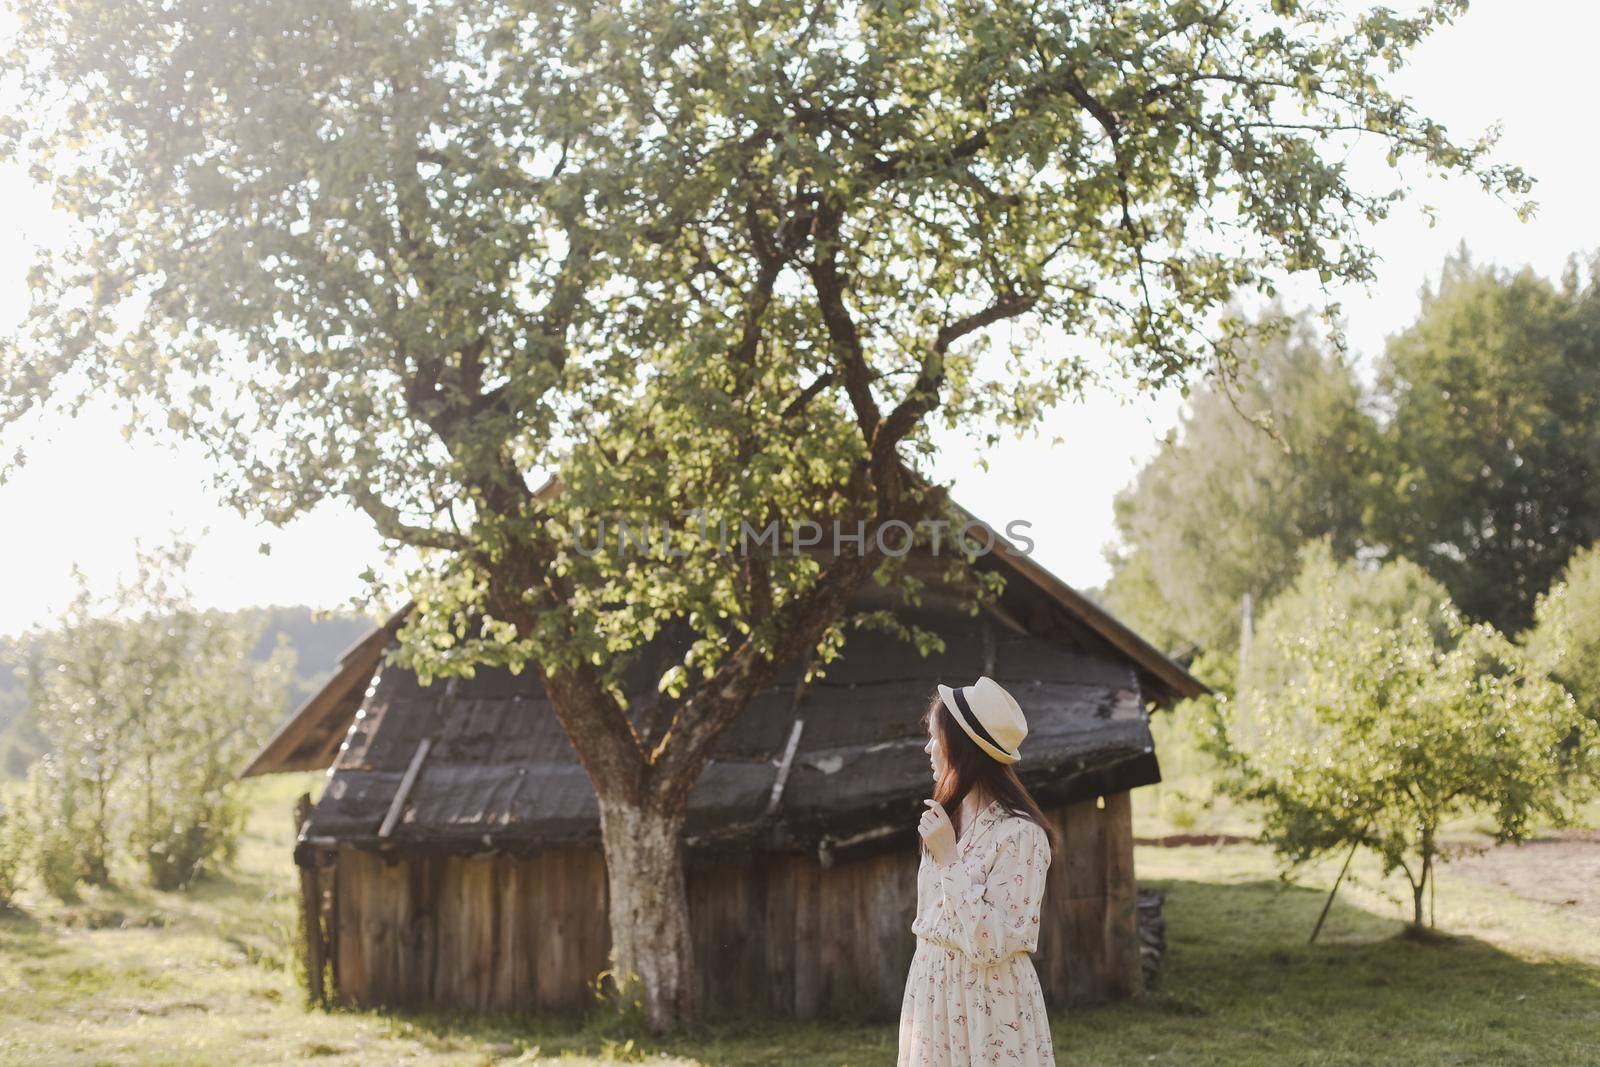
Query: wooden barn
453, 860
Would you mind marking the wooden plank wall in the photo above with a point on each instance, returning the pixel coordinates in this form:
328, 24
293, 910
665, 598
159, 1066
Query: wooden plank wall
784, 937
1089, 934
489, 934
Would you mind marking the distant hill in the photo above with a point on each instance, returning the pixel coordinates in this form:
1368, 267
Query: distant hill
317, 642
316, 636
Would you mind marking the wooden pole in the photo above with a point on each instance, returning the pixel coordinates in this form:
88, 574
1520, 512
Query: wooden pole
310, 910
1329, 903
397, 807
1247, 627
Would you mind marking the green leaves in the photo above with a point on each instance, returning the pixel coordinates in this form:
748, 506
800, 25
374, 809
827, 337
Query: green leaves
687, 255
1385, 721
1495, 436
1565, 636
150, 707
1264, 459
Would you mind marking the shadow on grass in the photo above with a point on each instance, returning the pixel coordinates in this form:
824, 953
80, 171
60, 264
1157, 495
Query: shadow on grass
228, 897
23, 936
715, 1042
227, 889
1240, 985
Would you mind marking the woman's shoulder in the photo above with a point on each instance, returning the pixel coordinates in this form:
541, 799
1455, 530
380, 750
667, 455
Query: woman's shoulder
1027, 832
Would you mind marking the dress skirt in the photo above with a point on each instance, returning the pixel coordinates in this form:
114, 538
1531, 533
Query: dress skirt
956, 1015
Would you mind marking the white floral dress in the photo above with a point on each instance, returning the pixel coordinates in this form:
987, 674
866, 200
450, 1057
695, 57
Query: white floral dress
972, 996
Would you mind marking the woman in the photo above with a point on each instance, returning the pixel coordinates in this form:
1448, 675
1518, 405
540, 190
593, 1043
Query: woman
972, 996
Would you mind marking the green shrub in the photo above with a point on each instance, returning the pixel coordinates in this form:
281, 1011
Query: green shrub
51, 827
13, 854
190, 833
150, 707
1565, 637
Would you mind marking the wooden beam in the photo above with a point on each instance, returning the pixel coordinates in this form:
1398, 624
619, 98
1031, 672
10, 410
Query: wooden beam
1011, 622
783, 767
310, 911
1125, 969
397, 806
831, 849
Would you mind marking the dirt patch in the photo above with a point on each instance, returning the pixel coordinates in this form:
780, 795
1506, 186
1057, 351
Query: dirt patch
1561, 869
172, 1007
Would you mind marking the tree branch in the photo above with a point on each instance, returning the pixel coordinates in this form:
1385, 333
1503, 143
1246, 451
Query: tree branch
392, 526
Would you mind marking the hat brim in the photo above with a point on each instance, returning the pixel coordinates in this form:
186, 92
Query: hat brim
947, 694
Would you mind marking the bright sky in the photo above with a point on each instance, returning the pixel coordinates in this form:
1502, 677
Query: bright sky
86, 494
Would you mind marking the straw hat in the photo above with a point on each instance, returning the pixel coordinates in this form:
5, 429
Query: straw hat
990, 716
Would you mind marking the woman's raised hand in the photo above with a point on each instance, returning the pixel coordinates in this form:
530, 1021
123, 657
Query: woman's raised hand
936, 830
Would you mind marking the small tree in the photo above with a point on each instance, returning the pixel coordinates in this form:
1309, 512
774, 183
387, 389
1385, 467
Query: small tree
52, 826
1377, 734
1325, 583
212, 714
150, 706
1565, 637
73, 672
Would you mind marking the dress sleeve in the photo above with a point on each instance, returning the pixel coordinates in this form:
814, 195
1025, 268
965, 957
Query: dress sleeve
992, 912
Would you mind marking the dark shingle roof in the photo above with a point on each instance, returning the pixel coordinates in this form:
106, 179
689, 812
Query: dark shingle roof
500, 773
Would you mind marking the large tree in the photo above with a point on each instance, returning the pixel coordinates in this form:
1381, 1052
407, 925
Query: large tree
719, 255
1495, 439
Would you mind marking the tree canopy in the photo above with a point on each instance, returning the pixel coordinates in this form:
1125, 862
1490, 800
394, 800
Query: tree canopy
1326, 585
1472, 454
407, 255
1494, 443
1565, 636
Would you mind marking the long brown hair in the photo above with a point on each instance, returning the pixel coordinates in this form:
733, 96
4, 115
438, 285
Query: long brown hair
970, 767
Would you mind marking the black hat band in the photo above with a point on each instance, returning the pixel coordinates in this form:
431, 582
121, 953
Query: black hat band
972, 720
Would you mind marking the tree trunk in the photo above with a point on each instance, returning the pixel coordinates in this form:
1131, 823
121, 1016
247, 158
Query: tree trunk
1418, 888
652, 956
644, 794
1423, 882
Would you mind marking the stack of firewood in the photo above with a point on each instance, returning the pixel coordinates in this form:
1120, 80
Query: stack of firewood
1152, 934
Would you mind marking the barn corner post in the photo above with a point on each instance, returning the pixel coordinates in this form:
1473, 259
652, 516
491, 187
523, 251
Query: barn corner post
1122, 897
312, 947
652, 953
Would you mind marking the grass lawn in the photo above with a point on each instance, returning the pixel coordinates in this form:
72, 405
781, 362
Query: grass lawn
207, 977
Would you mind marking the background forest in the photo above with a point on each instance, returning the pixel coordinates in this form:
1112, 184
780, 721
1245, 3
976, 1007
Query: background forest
1471, 449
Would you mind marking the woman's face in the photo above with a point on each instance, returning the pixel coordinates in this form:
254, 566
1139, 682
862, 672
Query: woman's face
935, 750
